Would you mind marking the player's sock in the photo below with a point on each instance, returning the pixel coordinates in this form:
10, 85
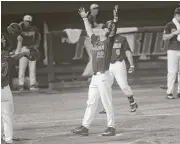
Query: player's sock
133, 104
131, 99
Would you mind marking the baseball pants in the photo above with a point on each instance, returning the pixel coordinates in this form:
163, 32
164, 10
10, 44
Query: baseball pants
7, 111
119, 72
23, 62
173, 70
100, 86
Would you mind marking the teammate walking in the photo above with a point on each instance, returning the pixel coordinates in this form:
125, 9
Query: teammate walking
31, 39
172, 33
117, 69
7, 107
100, 85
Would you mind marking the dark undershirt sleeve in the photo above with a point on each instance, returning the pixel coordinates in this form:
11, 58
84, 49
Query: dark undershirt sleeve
167, 29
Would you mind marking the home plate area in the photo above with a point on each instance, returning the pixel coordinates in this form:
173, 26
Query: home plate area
47, 118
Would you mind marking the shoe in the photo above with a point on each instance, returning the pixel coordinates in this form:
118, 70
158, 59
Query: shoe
133, 107
81, 130
102, 112
9, 142
21, 88
34, 88
178, 95
110, 131
170, 96
163, 87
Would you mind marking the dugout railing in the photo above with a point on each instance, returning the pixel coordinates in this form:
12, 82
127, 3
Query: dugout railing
143, 40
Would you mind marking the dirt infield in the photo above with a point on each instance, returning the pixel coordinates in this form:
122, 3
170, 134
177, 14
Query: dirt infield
47, 118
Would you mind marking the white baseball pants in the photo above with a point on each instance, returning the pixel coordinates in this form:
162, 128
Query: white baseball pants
100, 86
23, 62
119, 72
7, 111
173, 69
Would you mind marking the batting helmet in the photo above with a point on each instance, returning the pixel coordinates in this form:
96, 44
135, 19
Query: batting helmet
110, 26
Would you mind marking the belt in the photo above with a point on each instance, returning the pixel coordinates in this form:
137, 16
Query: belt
112, 62
97, 73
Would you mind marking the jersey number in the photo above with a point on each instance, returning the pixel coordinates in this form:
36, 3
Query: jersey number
4, 69
118, 52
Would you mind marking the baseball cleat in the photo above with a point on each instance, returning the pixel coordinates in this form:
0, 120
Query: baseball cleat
133, 106
81, 130
34, 88
170, 96
102, 112
9, 142
163, 87
110, 131
21, 88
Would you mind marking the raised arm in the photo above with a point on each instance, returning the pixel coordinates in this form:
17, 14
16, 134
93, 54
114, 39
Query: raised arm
87, 25
115, 21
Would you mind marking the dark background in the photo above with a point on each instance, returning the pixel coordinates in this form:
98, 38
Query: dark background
61, 15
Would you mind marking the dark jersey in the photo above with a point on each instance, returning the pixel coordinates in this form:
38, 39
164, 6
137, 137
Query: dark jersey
101, 52
174, 44
6, 65
120, 47
30, 36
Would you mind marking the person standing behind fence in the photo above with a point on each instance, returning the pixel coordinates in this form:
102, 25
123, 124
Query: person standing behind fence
172, 33
31, 39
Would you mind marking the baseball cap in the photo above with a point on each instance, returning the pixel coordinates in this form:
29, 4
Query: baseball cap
93, 6
27, 18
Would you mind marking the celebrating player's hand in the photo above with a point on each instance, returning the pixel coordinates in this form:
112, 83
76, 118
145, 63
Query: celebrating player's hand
131, 69
83, 13
19, 38
115, 12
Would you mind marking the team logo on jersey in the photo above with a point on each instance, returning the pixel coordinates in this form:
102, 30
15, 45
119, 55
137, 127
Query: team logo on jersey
4, 68
117, 45
31, 33
98, 46
118, 52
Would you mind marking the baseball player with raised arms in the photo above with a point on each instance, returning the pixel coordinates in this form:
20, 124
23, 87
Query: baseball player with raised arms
117, 69
7, 107
100, 85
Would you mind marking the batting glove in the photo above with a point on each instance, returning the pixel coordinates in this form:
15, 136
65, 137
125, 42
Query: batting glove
131, 69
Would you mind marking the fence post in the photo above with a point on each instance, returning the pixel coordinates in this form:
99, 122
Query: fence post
50, 61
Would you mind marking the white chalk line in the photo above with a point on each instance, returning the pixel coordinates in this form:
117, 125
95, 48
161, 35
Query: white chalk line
72, 120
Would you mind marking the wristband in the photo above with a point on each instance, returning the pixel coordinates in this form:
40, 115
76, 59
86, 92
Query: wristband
84, 18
